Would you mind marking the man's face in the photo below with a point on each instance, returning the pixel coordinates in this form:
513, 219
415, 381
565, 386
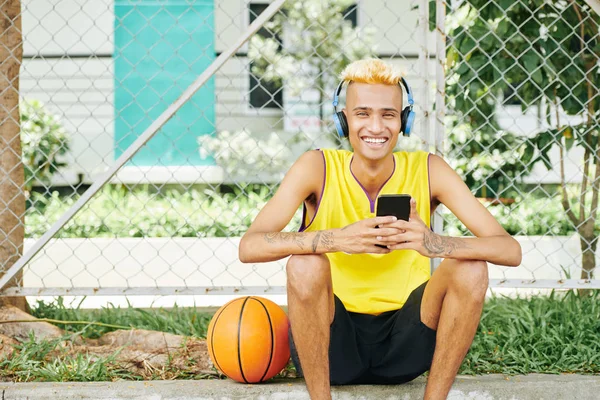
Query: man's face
373, 114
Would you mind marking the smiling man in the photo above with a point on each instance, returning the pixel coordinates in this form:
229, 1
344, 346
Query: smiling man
363, 305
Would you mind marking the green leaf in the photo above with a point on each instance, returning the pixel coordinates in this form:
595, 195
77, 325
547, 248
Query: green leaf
530, 61
462, 67
568, 134
528, 153
505, 4
503, 26
466, 45
538, 77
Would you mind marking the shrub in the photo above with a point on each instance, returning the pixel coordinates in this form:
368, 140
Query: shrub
43, 140
117, 212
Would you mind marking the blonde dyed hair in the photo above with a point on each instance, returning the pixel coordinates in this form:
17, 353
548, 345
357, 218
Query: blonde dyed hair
371, 71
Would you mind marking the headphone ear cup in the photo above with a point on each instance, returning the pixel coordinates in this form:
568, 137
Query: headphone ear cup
341, 117
408, 117
338, 125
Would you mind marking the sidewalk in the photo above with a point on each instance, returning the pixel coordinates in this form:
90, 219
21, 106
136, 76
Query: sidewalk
489, 387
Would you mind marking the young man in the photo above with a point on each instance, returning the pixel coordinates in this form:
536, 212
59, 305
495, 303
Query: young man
360, 313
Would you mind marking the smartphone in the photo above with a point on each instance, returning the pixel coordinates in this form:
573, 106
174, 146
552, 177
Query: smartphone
397, 205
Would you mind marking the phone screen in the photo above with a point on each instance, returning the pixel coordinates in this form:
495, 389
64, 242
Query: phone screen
397, 205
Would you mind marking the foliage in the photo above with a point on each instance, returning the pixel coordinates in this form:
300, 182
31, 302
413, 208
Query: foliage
489, 162
43, 140
318, 44
527, 216
246, 157
531, 49
118, 212
538, 53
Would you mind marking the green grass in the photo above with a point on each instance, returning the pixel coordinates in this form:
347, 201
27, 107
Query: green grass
49, 361
552, 334
555, 334
185, 321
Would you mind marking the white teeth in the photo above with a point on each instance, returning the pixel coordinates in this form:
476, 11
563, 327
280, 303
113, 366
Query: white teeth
371, 140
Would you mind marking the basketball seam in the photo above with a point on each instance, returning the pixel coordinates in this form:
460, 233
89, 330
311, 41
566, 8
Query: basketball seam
212, 337
272, 338
238, 340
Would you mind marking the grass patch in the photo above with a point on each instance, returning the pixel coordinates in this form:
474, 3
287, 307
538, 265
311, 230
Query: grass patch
49, 361
186, 321
551, 334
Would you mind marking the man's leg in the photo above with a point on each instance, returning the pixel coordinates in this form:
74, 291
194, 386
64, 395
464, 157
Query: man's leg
311, 310
452, 304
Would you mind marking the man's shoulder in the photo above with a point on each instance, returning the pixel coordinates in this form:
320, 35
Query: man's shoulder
335, 157
336, 152
412, 156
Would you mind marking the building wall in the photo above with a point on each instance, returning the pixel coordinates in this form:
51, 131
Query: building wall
69, 47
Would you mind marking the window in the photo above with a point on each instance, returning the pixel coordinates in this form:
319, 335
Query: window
351, 14
269, 95
264, 94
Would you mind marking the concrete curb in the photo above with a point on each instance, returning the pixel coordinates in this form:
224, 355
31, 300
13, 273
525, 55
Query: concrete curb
490, 387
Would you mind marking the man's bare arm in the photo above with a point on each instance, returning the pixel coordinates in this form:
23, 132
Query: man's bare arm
359, 237
414, 234
500, 249
492, 243
301, 181
277, 245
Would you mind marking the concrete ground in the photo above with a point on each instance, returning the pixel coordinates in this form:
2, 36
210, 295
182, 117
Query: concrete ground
489, 387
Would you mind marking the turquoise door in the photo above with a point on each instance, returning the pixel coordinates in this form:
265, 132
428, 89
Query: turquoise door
161, 47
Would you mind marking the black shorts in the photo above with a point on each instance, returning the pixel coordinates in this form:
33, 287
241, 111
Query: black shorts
390, 348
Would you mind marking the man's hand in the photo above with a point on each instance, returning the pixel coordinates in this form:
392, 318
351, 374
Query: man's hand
415, 235
362, 236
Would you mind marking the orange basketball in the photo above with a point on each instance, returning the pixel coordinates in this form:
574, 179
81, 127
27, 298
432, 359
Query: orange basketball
247, 339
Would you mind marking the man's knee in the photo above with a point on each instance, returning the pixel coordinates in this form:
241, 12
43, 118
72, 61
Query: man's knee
308, 274
470, 278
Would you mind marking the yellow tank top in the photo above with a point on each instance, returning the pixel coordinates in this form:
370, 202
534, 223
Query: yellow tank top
371, 283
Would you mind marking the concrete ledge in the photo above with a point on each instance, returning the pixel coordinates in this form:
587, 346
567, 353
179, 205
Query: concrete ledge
490, 387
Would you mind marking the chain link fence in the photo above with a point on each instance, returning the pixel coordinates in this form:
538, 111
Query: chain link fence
513, 84
522, 126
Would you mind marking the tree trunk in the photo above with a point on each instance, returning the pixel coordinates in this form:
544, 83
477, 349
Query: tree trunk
588, 243
12, 199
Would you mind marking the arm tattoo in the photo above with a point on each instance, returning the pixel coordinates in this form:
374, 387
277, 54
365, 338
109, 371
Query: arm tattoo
436, 244
296, 237
327, 240
316, 242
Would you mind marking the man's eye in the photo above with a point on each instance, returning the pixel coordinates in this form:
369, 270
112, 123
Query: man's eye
388, 115
361, 113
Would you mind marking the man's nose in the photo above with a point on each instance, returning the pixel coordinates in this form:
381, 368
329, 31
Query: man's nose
376, 125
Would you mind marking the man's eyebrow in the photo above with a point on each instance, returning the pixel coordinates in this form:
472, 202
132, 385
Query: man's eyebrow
371, 109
